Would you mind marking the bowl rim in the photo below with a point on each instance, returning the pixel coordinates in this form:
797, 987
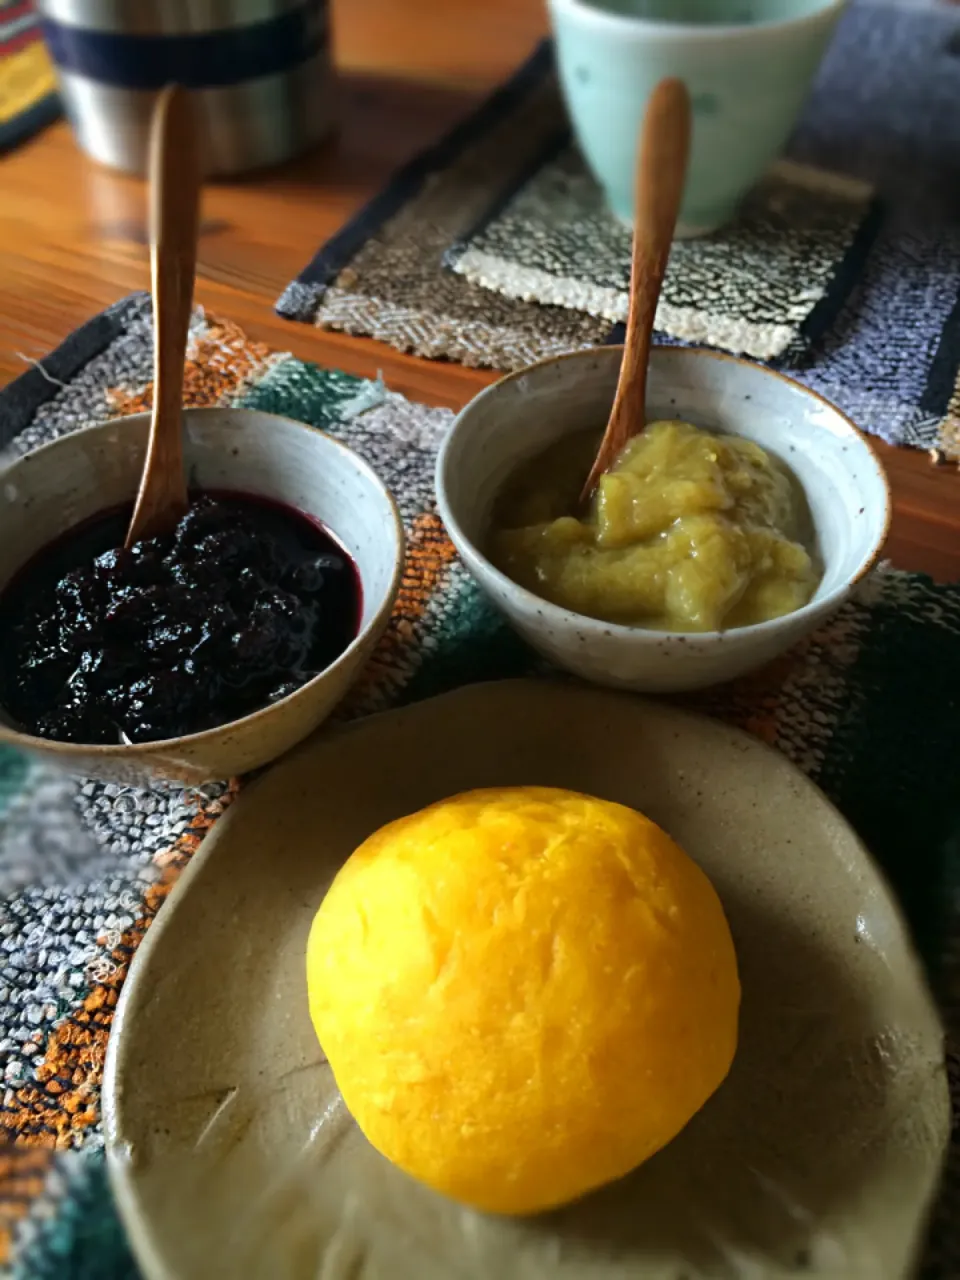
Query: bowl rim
567, 618
126, 750
622, 24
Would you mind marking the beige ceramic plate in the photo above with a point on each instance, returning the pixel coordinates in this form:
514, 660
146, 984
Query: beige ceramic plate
230, 1148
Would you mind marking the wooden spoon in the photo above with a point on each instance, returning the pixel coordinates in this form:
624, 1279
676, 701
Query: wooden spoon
661, 170
174, 217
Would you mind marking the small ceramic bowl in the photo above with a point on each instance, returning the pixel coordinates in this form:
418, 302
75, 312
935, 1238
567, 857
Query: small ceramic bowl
523, 414
53, 489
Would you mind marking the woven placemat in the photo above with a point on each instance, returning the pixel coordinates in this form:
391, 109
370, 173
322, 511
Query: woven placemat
383, 274
28, 86
765, 287
860, 301
868, 707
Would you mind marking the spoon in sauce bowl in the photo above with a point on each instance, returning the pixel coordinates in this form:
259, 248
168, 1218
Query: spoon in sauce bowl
174, 216
661, 171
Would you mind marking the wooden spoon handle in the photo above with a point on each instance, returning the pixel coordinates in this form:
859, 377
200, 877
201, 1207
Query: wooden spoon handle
661, 170
174, 222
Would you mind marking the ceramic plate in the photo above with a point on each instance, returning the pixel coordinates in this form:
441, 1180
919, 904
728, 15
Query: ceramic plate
233, 1155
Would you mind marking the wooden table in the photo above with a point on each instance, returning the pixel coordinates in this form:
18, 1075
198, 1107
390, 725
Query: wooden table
73, 236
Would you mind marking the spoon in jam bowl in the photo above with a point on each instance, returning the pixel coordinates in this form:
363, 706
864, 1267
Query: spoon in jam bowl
174, 216
661, 171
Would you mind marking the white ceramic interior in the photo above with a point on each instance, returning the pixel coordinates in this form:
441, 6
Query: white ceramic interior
521, 415
54, 488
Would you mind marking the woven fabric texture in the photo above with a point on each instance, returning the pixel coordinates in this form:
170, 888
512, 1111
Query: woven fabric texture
867, 707
860, 300
758, 288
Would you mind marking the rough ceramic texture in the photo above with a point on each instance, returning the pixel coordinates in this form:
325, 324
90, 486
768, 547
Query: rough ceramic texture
521, 415
50, 490
747, 79
819, 1154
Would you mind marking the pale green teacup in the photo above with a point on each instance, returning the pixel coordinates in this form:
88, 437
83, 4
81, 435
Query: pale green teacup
747, 64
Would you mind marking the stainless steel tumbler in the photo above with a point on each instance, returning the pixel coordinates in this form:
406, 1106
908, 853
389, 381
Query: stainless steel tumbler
259, 70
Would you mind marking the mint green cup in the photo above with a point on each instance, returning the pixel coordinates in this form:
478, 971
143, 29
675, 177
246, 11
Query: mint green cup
748, 65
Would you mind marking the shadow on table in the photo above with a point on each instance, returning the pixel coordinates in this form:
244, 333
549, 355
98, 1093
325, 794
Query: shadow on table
381, 123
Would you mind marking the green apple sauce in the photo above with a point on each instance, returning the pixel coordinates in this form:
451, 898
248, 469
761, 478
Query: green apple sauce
689, 531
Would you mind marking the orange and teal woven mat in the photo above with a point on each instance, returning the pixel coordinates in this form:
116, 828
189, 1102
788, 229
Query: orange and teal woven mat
28, 86
868, 706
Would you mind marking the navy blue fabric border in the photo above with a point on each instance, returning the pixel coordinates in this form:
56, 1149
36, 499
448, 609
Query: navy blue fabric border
942, 375
825, 312
408, 180
23, 125
197, 60
21, 399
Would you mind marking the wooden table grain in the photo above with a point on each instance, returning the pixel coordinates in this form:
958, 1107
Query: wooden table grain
73, 235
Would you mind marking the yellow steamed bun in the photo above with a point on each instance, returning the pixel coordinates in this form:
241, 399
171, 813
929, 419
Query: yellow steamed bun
523, 993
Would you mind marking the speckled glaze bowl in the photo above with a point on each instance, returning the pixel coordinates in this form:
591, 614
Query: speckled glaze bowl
524, 413
51, 490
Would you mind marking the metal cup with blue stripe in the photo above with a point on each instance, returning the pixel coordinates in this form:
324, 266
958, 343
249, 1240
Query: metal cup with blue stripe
259, 69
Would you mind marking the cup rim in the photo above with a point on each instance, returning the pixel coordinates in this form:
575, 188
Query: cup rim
567, 618
621, 23
127, 750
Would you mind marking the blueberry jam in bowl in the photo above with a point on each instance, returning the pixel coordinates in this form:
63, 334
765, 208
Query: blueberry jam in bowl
235, 609
209, 651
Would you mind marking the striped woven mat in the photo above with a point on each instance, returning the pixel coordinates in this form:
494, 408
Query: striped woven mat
868, 707
28, 86
494, 248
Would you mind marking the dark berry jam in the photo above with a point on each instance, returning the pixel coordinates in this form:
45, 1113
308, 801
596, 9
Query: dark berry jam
244, 603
